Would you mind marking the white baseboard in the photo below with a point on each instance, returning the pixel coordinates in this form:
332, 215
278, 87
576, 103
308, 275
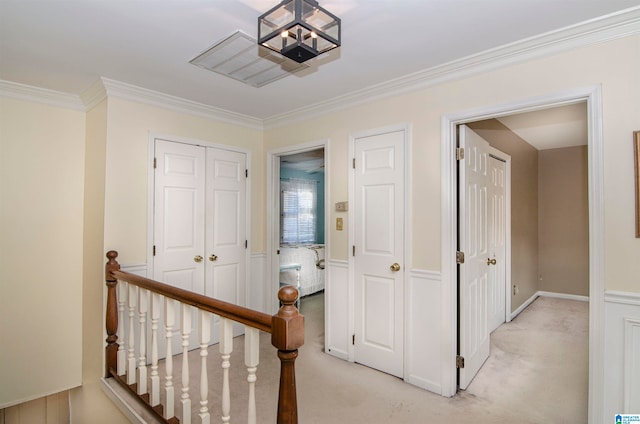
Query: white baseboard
547, 294
563, 296
524, 305
123, 401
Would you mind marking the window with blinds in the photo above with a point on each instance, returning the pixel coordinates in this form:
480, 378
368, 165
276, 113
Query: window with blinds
298, 211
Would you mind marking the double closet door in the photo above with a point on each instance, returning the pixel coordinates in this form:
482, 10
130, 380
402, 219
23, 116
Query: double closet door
199, 230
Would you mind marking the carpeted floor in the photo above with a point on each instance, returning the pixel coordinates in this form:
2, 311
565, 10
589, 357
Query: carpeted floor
537, 373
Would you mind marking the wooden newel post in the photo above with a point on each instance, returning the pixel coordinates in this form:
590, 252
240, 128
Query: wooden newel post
111, 351
287, 336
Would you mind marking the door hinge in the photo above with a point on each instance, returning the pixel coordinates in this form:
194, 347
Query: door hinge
353, 251
278, 252
154, 250
353, 339
459, 361
459, 257
246, 173
246, 244
459, 153
155, 163
354, 163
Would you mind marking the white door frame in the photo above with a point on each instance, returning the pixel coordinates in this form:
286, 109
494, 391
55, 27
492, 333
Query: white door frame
593, 96
407, 226
151, 194
271, 283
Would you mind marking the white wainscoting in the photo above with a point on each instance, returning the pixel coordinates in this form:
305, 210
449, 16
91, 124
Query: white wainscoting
256, 298
423, 318
338, 309
621, 354
137, 269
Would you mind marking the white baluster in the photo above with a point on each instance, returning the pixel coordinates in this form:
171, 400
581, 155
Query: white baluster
251, 360
143, 307
169, 322
154, 394
226, 347
131, 357
186, 332
122, 353
204, 336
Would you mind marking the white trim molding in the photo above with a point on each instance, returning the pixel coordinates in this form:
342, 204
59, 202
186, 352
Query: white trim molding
624, 298
14, 90
154, 98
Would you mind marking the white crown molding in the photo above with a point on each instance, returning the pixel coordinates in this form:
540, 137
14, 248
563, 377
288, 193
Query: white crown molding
18, 91
93, 95
624, 298
154, 98
599, 30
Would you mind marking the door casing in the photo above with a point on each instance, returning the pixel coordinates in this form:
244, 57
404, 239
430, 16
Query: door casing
592, 95
272, 285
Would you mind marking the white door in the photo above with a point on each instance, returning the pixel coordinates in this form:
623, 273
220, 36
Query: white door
200, 223
379, 251
226, 226
497, 242
474, 272
179, 209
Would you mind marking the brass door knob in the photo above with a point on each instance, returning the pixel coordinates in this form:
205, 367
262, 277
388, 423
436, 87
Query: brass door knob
491, 261
213, 258
395, 267
198, 259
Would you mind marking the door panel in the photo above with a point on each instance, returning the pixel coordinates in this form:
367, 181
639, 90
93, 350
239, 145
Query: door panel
226, 225
179, 214
497, 243
474, 272
379, 243
379, 292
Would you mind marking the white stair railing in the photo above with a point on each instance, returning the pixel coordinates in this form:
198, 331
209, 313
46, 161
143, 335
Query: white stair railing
148, 302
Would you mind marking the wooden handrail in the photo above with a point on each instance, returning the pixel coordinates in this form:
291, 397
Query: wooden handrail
236, 313
286, 327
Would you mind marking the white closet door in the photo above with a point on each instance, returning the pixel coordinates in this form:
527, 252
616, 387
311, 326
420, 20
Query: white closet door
179, 205
379, 252
226, 225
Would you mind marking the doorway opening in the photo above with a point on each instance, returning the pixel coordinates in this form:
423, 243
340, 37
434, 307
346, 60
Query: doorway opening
297, 215
592, 97
549, 216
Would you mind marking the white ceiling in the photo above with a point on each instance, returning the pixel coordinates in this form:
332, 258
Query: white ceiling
67, 45
553, 128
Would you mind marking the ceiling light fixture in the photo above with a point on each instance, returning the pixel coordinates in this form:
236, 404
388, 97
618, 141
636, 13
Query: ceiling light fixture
299, 29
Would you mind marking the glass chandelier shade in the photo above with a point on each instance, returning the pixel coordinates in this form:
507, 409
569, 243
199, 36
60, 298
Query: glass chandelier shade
299, 30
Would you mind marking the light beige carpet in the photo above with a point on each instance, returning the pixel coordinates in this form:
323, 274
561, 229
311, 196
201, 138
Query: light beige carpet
537, 373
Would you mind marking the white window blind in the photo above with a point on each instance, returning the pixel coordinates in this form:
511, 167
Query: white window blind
298, 211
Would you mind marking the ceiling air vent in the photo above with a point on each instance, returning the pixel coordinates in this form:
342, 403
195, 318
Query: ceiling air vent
241, 58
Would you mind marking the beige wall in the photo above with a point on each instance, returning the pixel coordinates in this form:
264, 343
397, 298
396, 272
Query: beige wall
613, 66
564, 220
41, 208
129, 127
524, 206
